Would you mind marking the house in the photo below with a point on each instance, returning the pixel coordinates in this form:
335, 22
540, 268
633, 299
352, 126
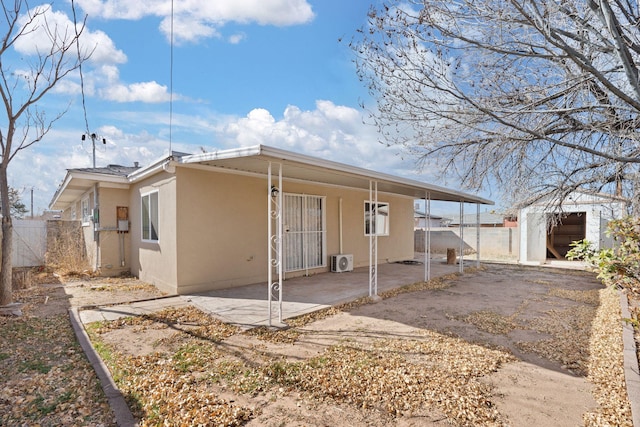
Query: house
486, 219
192, 223
547, 230
422, 220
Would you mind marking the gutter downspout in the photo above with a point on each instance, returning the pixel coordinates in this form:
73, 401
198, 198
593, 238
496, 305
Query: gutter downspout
96, 224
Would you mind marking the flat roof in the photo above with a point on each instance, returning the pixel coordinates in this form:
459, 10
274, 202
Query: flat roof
301, 167
255, 160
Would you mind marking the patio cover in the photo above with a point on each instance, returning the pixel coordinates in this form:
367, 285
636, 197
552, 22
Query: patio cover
280, 164
277, 165
301, 167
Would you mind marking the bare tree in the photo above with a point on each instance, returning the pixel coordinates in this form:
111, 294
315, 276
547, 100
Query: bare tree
24, 82
537, 97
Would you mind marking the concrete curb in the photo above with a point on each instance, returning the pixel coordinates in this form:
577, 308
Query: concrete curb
124, 417
631, 371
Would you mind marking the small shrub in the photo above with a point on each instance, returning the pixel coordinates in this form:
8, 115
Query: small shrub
66, 251
617, 266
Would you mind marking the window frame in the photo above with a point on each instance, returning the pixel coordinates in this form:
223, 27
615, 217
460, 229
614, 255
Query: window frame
385, 218
85, 213
150, 224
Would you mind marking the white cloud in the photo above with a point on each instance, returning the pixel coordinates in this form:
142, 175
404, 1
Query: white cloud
37, 37
124, 9
197, 19
237, 38
329, 131
101, 48
100, 72
149, 92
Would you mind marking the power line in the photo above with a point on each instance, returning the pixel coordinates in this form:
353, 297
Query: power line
75, 28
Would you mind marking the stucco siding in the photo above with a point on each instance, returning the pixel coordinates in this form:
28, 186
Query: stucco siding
222, 228
155, 262
114, 246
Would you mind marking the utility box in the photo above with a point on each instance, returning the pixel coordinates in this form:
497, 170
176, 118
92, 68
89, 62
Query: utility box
122, 213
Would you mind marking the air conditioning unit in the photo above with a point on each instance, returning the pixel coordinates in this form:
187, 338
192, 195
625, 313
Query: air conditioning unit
341, 263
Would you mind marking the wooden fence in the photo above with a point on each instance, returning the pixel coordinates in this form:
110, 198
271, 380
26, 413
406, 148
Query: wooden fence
29, 242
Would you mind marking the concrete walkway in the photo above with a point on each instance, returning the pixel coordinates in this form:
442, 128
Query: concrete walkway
247, 306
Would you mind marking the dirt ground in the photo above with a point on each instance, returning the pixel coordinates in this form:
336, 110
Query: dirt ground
541, 316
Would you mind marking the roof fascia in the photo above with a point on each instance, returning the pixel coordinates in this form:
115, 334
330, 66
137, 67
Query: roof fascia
104, 180
284, 178
288, 156
60, 190
162, 164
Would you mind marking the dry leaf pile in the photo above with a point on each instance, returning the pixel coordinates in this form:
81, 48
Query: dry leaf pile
570, 330
402, 377
176, 390
393, 377
46, 379
606, 366
491, 322
569, 342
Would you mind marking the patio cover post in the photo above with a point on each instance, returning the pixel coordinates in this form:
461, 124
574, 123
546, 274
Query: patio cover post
478, 235
274, 212
461, 268
373, 238
427, 238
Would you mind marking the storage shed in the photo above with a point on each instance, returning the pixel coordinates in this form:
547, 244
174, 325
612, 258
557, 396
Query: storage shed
547, 231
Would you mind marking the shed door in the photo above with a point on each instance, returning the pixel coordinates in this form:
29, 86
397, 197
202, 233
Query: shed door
304, 232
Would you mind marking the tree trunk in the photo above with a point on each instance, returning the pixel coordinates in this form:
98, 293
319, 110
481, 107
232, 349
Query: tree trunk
6, 272
6, 291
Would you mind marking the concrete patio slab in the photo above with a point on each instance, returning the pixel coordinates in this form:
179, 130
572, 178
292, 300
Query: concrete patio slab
247, 306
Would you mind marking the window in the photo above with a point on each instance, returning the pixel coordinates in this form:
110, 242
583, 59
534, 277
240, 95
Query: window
376, 219
150, 217
85, 211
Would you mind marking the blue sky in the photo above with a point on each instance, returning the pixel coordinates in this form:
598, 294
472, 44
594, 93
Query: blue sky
245, 72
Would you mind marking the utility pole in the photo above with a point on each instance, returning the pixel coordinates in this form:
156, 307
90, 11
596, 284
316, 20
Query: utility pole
93, 137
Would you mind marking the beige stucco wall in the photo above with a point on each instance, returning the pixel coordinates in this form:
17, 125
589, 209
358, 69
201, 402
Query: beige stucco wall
114, 246
87, 230
213, 229
155, 262
221, 227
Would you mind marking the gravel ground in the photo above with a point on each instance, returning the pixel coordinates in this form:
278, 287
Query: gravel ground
361, 363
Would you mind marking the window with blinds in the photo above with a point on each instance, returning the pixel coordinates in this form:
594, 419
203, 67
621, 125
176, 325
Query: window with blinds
304, 232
